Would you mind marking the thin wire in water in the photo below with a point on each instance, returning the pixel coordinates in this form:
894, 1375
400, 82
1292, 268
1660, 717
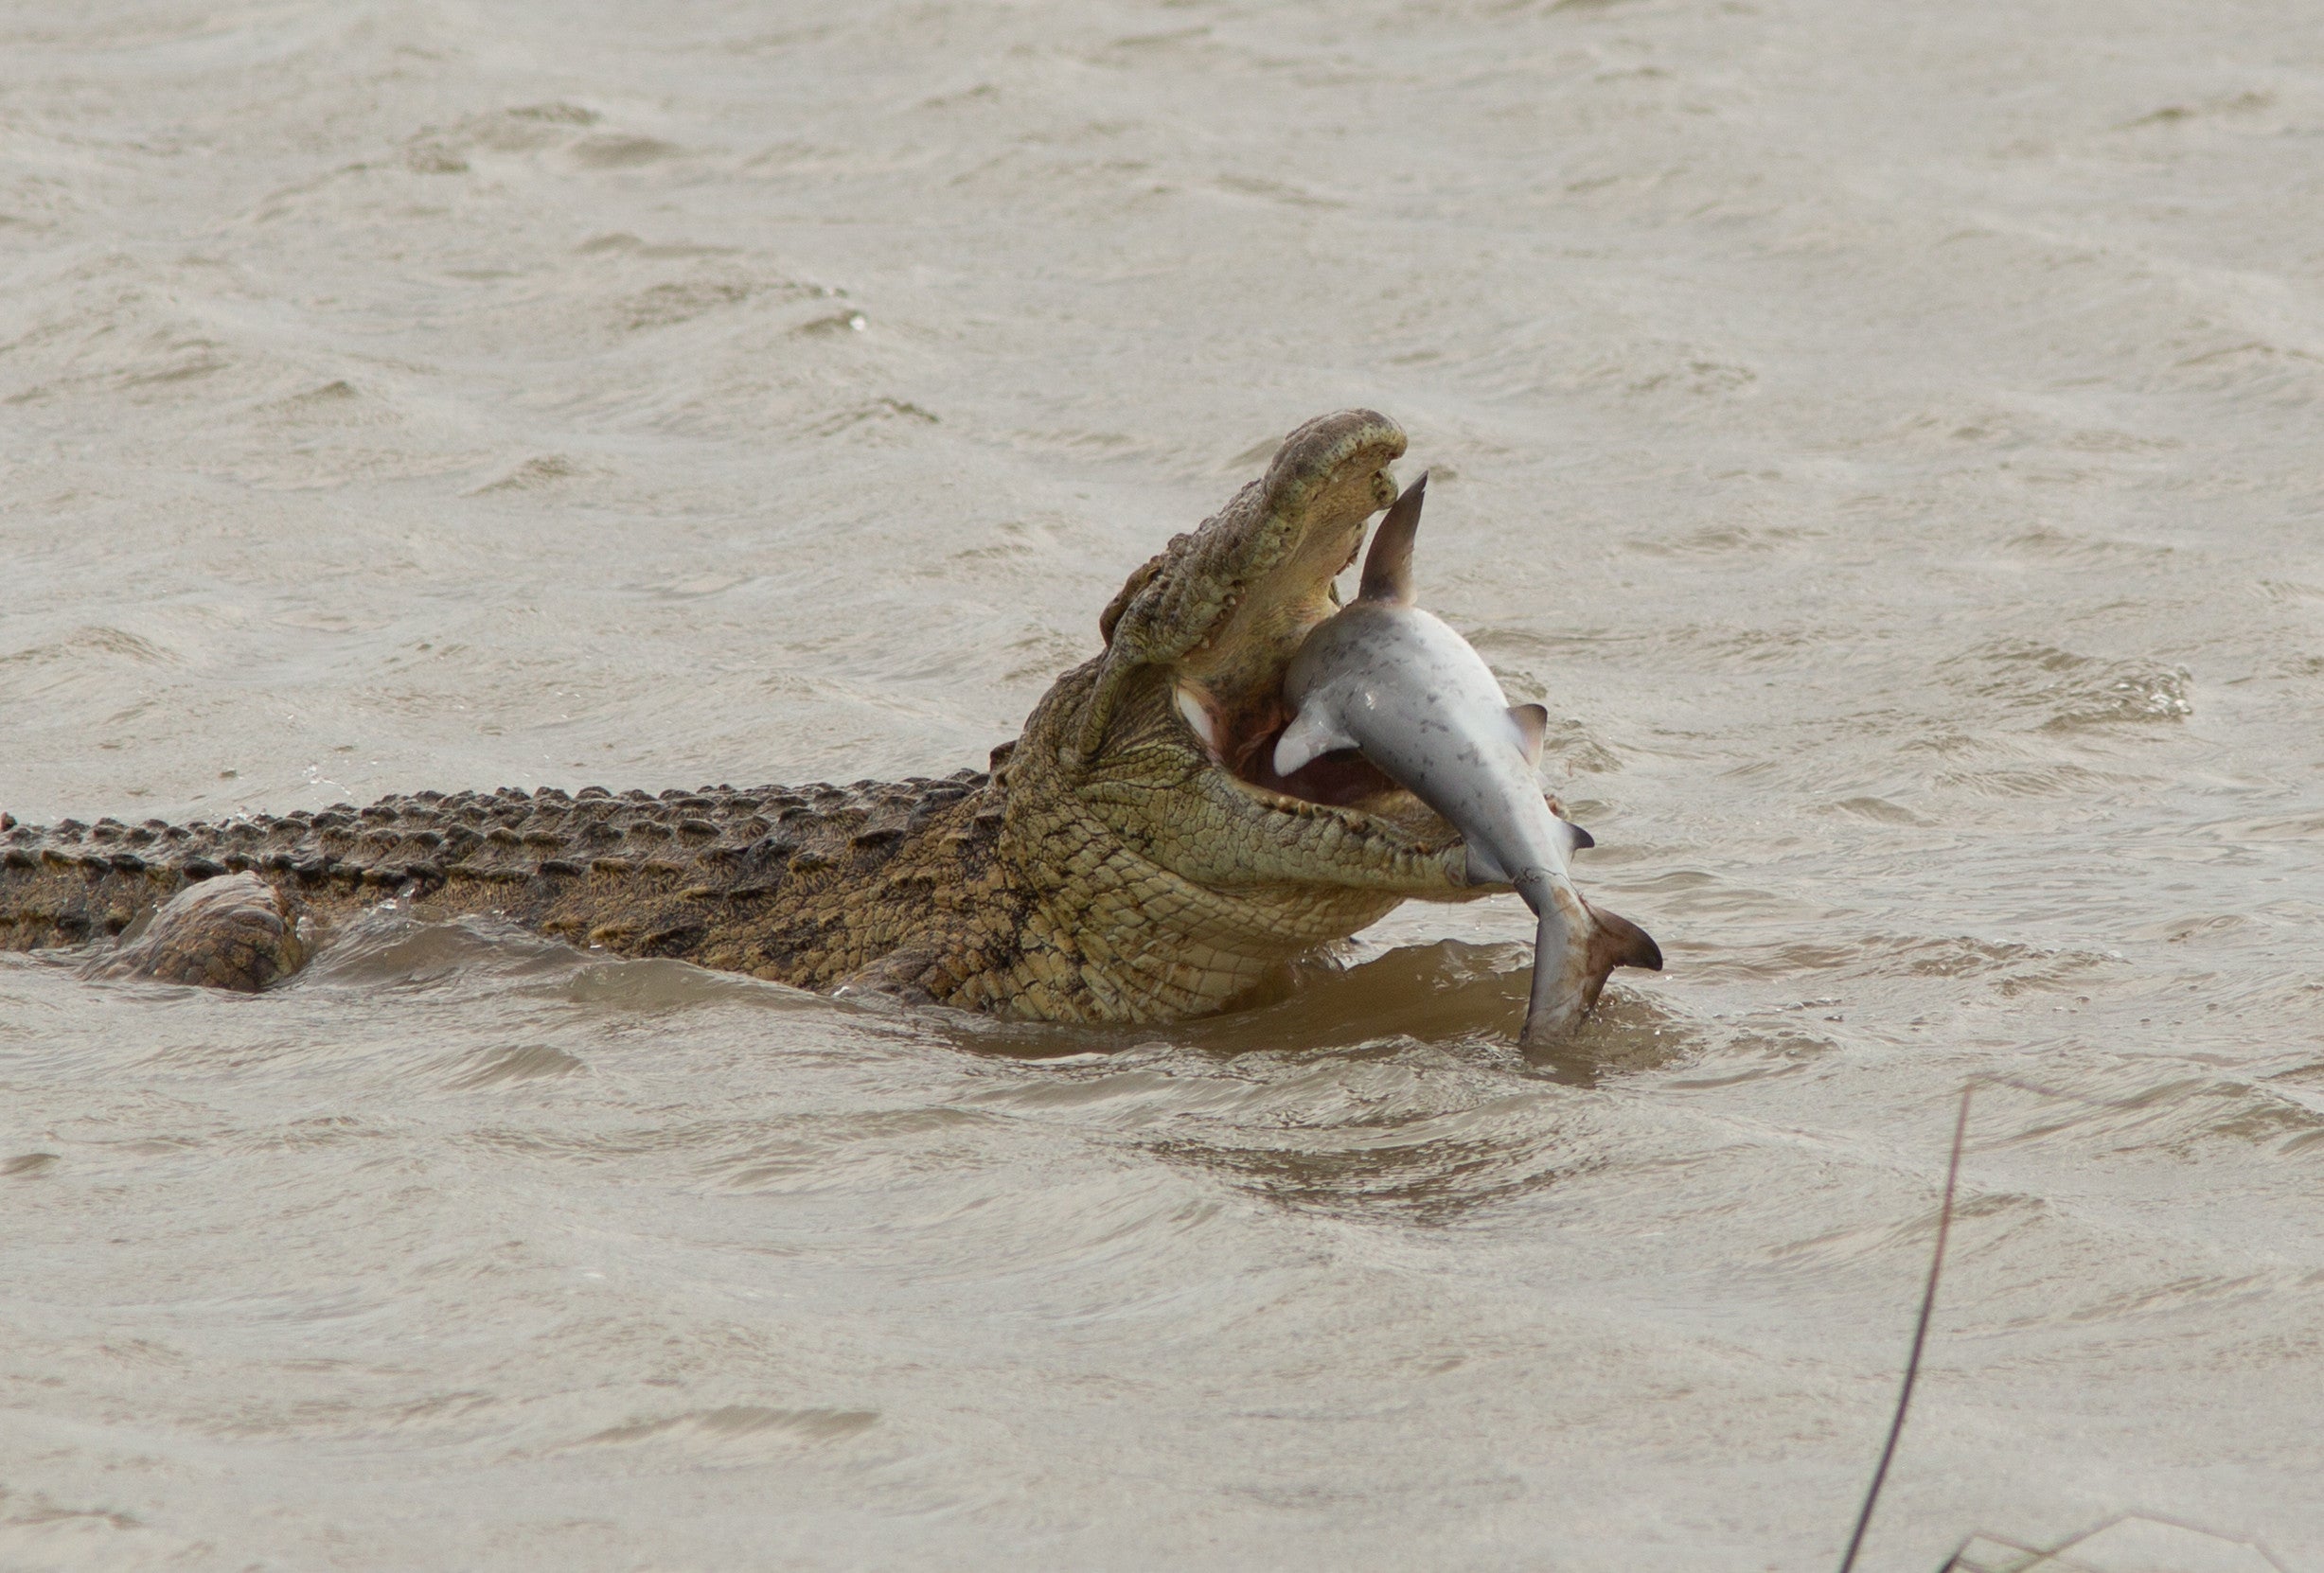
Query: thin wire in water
1920, 1336
1936, 1271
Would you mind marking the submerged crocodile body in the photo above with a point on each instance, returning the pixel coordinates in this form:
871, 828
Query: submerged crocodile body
1132, 857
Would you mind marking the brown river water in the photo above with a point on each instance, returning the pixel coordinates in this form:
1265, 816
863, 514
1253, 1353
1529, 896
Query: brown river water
1889, 438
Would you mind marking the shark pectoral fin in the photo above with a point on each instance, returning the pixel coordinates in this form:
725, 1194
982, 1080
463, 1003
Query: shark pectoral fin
1312, 732
1576, 838
1388, 567
1532, 724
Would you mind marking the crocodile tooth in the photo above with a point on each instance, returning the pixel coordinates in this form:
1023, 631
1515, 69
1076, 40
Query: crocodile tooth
1198, 716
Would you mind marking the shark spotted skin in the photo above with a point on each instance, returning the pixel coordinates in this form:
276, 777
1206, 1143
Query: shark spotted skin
1115, 863
1394, 681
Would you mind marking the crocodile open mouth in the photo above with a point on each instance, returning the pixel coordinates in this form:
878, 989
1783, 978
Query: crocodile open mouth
1224, 610
1242, 743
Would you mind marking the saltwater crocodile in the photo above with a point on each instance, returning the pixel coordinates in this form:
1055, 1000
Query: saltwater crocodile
1132, 857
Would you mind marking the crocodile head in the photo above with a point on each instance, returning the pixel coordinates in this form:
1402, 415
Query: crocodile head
1140, 802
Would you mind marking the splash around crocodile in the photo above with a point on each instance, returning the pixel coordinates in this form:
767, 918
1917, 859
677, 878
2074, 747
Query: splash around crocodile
1132, 857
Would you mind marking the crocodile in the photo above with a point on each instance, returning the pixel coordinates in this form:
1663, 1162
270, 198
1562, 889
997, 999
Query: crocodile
1131, 858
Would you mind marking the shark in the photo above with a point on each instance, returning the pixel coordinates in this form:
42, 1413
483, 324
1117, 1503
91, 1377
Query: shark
1396, 683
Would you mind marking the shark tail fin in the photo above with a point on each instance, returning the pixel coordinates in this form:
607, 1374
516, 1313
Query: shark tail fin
1615, 940
1563, 994
1388, 567
1550, 1008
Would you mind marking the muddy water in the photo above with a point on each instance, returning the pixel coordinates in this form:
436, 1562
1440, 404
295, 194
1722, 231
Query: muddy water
1886, 437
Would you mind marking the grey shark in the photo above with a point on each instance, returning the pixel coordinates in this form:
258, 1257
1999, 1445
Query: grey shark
1384, 677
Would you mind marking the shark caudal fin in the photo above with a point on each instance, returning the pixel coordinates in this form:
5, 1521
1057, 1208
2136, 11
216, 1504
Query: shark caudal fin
1388, 567
1554, 1005
1615, 940
1566, 984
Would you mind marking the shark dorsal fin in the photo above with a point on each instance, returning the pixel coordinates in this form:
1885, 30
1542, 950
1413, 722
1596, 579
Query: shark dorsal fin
1388, 567
1532, 724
